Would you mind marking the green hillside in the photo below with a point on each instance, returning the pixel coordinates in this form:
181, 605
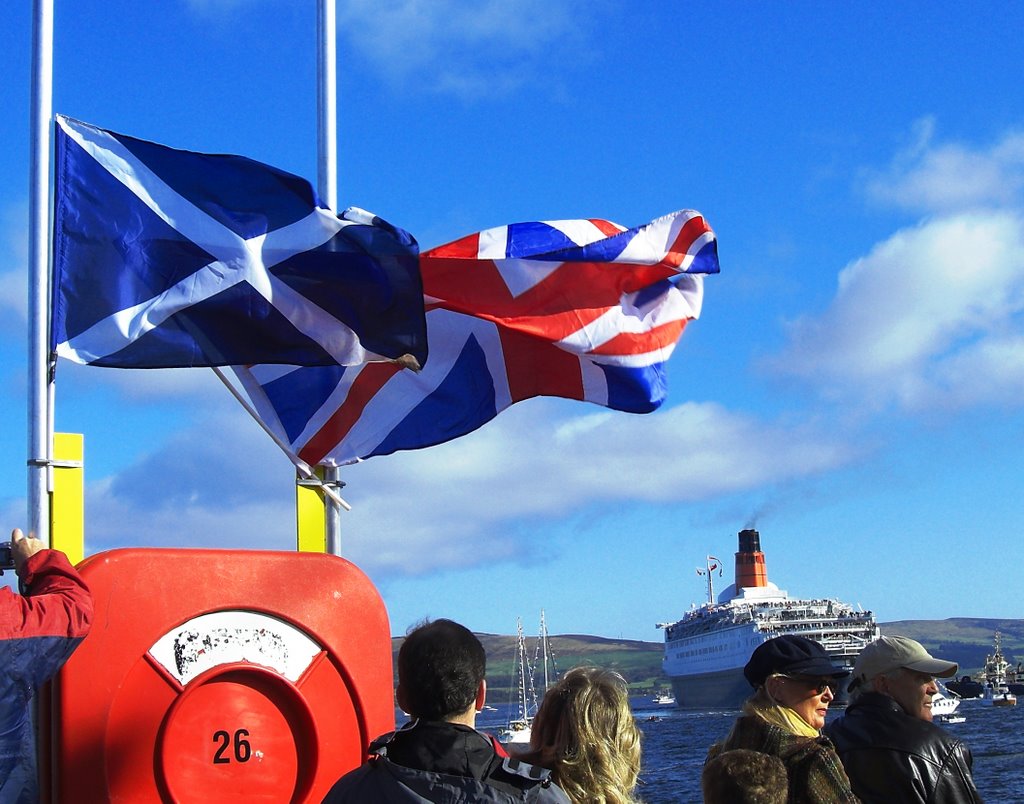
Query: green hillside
965, 640
638, 662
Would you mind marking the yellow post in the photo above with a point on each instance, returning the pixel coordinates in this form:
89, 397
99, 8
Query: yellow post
67, 503
310, 518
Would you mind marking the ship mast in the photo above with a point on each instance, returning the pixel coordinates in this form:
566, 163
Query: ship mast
711, 564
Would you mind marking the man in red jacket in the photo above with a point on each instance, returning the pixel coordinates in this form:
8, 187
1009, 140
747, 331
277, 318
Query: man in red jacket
38, 632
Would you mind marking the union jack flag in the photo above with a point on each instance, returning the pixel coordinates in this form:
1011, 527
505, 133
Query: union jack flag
580, 309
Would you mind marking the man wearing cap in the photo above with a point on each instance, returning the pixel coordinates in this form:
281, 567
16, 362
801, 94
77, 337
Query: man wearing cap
889, 746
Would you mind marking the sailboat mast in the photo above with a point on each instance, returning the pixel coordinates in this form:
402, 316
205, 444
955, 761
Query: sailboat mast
40, 386
523, 661
544, 649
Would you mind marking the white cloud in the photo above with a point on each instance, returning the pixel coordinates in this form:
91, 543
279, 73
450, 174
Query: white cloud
933, 316
465, 47
949, 177
461, 504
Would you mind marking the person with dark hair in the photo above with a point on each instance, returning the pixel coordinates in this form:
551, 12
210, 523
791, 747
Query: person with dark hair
793, 679
742, 776
889, 746
38, 632
439, 756
586, 734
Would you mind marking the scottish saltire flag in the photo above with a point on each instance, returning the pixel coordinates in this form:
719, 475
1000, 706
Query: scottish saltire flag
579, 309
166, 258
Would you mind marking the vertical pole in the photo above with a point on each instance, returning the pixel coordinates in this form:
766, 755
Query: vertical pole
310, 511
40, 386
67, 530
327, 104
327, 187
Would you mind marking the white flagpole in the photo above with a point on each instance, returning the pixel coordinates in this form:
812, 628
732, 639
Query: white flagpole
327, 104
40, 439
327, 187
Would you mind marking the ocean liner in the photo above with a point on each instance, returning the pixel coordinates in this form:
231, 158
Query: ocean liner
706, 650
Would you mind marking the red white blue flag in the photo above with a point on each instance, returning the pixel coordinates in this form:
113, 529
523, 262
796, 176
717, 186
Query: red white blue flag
581, 309
166, 258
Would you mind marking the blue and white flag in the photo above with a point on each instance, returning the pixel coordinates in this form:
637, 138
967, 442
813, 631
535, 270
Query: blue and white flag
166, 258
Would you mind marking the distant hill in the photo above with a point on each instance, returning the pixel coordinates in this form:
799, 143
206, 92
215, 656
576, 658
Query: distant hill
964, 640
638, 662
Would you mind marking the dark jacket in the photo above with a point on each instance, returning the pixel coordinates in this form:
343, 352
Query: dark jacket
446, 763
38, 631
815, 774
893, 757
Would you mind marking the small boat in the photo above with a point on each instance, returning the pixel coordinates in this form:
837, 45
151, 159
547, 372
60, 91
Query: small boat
952, 718
944, 705
665, 699
516, 733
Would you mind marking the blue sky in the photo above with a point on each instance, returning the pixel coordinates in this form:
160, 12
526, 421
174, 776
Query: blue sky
852, 388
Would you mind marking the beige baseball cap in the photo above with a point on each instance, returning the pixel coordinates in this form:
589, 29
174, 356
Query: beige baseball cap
888, 653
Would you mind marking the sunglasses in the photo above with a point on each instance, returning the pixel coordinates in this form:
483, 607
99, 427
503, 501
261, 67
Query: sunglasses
819, 685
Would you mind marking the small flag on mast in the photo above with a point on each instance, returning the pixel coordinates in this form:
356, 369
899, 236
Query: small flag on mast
166, 258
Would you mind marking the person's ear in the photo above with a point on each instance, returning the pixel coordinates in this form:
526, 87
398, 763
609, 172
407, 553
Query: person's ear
773, 684
481, 694
400, 697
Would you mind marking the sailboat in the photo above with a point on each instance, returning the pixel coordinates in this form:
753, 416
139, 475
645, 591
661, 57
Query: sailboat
517, 732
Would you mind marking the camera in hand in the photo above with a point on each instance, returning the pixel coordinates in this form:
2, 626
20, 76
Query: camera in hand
6, 557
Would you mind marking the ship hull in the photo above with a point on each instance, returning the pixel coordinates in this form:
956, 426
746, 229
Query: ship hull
966, 688
726, 689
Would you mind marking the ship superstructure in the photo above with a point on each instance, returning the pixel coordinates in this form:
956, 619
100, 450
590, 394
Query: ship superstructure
706, 650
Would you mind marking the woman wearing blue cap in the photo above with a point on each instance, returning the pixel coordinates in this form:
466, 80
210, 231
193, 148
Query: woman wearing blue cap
794, 681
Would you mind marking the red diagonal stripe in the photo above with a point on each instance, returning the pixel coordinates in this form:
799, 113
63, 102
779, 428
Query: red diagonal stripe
638, 343
688, 235
370, 380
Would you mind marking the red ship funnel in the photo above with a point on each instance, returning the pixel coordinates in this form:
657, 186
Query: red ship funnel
750, 566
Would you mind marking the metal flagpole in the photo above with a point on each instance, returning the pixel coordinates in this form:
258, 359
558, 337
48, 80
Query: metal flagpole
327, 187
40, 423
327, 104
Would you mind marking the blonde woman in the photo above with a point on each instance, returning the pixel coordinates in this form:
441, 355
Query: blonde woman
794, 682
584, 732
